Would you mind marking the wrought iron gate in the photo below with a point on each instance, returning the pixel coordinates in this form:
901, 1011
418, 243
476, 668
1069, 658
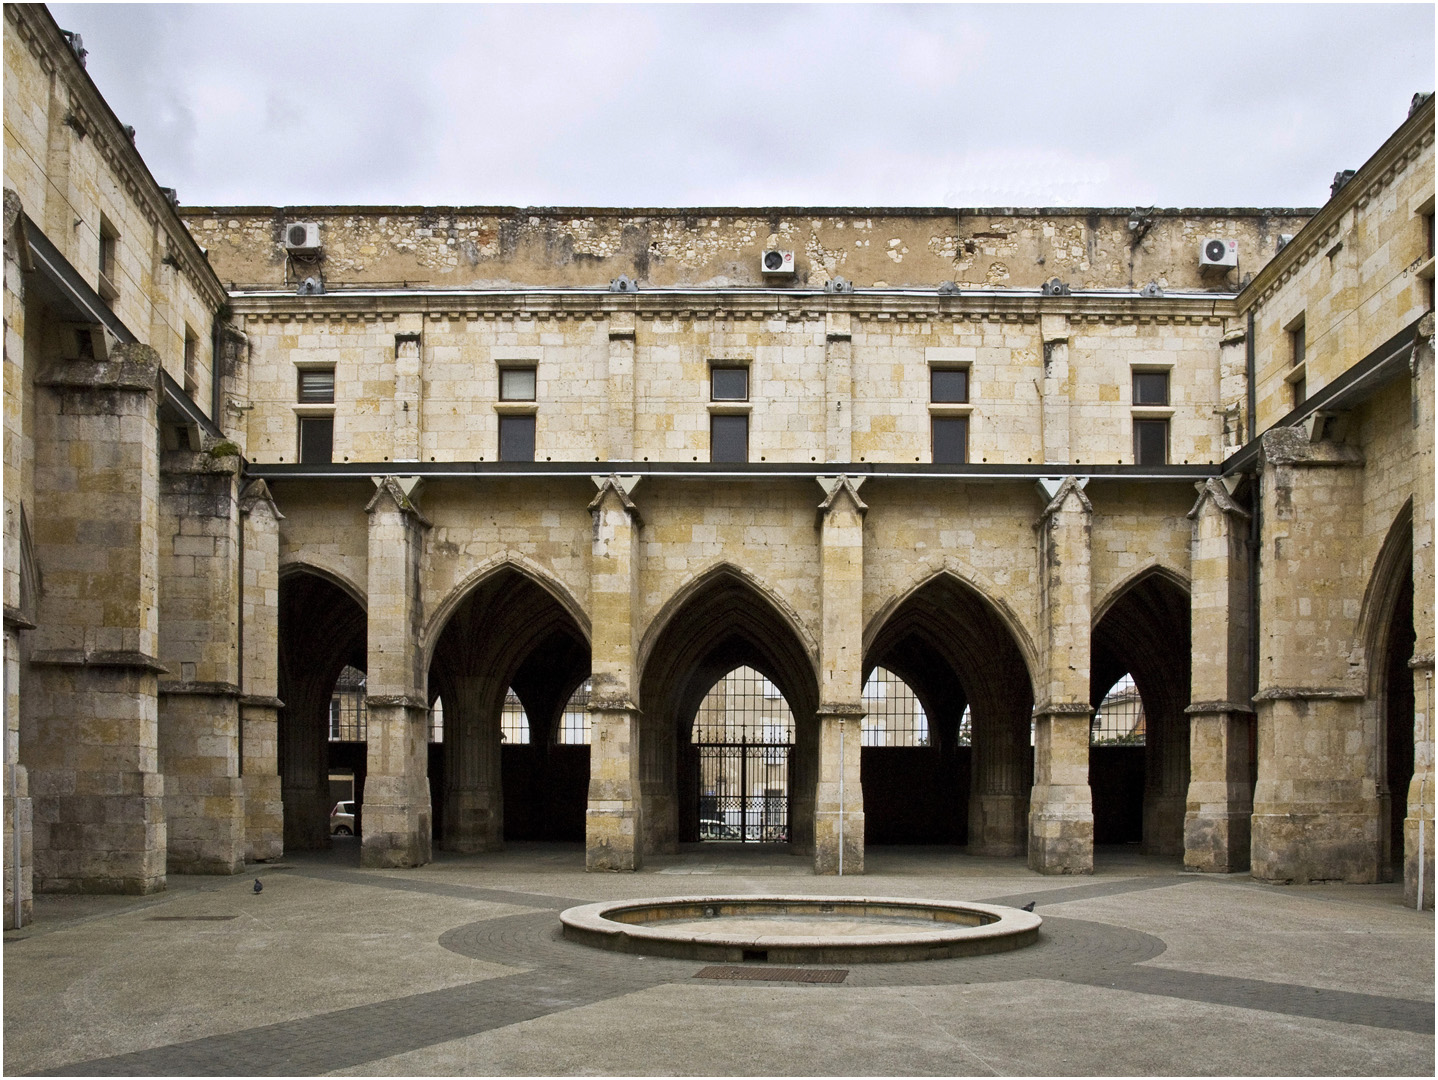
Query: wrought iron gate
742, 735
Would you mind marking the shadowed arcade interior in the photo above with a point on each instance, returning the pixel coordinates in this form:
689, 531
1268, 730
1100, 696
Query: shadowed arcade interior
952, 648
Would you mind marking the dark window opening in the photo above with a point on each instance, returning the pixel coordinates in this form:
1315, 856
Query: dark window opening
1300, 391
516, 438
109, 247
192, 364
729, 384
1298, 339
1150, 442
317, 386
728, 438
1150, 388
517, 384
949, 386
317, 439
951, 440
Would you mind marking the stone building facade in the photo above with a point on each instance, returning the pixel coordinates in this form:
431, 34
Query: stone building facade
1008, 455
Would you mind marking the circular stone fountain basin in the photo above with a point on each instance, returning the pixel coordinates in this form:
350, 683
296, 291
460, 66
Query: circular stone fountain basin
800, 929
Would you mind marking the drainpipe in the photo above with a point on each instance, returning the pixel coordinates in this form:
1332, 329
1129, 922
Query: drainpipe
15, 798
1251, 361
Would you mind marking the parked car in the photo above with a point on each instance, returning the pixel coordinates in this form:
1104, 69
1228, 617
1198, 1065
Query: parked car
714, 829
342, 819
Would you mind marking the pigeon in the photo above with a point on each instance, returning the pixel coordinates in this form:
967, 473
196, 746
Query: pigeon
1027, 907
260, 888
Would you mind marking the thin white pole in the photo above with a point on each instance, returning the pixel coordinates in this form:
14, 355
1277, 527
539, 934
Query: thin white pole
841, 798
15, 799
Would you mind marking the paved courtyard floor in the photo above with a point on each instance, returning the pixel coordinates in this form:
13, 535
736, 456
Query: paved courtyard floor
457, 968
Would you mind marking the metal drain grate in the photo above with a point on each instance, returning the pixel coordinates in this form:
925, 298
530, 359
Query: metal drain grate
191, 918
778, 974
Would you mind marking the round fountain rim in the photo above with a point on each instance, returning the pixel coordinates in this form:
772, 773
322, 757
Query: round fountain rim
1011, 928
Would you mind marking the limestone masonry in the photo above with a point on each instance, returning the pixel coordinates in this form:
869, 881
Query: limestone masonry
940, 484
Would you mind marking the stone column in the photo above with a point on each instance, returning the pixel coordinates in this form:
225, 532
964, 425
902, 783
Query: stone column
613, 822
199, 714
1220, 787
1316, 809
259, 684
474, 787
621, 386
998, 799
1055, 388
839, 795
1061, 805
839, 388
89, 717
408, 397
396, 814
1420, 789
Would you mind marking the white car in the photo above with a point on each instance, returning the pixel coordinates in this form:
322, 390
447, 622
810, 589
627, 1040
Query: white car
342, 819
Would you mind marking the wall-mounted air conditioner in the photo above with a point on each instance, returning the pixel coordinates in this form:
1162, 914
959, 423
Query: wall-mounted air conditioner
302, 237
1217, 253
777, 262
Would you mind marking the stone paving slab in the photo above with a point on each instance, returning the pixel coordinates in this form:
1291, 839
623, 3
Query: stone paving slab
459, 968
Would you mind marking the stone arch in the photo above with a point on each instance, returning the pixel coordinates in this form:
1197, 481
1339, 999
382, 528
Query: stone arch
322, 629
721, 619
1143, 629
1158, 569
497, 564
295, 564
1386, 636
955, 646
509, 625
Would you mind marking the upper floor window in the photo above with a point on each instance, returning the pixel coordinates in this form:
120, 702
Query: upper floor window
729, 437
317, 439
949, 386
517, 384
109, 258
729, 384
192, 363
1150, 433
1150, 388
951, 439
1298, 357
316, 386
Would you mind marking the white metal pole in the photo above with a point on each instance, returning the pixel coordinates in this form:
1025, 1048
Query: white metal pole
841, 798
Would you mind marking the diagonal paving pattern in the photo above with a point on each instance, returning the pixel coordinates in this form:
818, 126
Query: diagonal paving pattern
557, 976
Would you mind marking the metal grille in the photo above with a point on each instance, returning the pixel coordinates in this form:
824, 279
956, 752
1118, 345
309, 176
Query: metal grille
1119, 720
768, 974
743, 732
966, 728
895, 717
347, 707
436, 721
574, 724
513, 723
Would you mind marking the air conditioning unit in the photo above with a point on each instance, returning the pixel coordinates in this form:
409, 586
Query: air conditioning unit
777, 262
1217, 253
302, 236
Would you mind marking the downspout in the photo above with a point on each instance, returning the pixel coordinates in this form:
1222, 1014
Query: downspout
1255, 537
1250, 362
215, 374
240, 632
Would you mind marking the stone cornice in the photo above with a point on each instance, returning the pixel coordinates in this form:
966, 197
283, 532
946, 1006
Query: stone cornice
200, 689
1216, 708
841, 711
615, 486
837, 485
1062, 708
257, 493
392, 486
1404, 147
92, 118
1308, 693
1071, 485
106, 658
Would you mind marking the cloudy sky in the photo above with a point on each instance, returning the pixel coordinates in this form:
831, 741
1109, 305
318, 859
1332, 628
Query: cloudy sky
691, 105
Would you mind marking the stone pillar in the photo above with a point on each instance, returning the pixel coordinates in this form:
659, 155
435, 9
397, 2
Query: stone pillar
1420, 789
408, 397
839, 795
1061, 805
89, 717
621, 386
19, 819
396, 814
1166, 780
1316, 808
1055, 388
1220, 787
199, 714
259, 665
613, 829
839, 388
474, 789
998, 799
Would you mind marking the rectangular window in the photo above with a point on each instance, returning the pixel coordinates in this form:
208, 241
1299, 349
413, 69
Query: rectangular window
729, 384
1150, 388
1150, 442
1298, 340
109, 250
949, 386
517, 384
192, 363
316, 386
516, 438
728, 438
1298, 346
951, 440
317, 439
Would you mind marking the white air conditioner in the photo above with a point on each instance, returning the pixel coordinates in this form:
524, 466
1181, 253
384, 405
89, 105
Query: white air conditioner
1218, 253
777, 262
302, 236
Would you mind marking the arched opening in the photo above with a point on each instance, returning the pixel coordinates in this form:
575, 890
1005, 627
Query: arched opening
506, 665
1391, 641
725, 622
970, 785
1140, 668
322, 633
739, 744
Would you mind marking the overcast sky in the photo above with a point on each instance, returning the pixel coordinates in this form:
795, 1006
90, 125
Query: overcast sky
815, 105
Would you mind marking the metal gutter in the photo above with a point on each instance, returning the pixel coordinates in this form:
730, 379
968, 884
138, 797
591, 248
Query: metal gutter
1350, 388
760, 471
726, 292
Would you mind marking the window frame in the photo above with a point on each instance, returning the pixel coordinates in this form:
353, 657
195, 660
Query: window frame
315, 421
1141, 423
950, 369
715, 368
301, 371
946, 419
728, 418
532, 370
107, 260
514, 421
